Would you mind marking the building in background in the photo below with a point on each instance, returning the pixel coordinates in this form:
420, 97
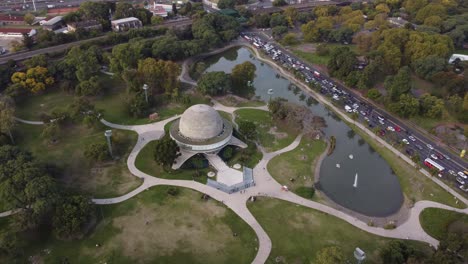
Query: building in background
53, 23
125, 24
11, 20
84, 25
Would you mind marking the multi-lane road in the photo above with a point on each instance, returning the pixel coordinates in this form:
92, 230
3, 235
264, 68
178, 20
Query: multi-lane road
387, 126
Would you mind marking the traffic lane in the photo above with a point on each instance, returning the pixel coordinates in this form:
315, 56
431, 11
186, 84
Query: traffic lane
385, 115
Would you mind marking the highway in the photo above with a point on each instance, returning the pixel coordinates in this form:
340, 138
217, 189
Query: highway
19, 56
392, 129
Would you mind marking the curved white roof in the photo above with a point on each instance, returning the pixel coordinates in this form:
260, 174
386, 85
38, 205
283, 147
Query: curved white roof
200, 122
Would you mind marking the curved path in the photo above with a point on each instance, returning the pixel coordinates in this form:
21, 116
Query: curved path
39, 123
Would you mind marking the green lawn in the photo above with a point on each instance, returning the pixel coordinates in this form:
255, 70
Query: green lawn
155, 227
145, 162
298, 233
97, 179
415, 185
36, 105
284, 135
437, 222
461, 51
299, 165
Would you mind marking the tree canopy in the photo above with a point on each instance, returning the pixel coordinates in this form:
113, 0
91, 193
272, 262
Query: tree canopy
214, 83
166, 151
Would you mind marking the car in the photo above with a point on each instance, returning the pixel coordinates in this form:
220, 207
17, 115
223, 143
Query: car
446, 157
462, 175
355, 111
412, 138
390, 128
405, 141
363, 113
460, 180
439, 156
463, 187
419, 147
451, 172
382, 132
381, 122
429, 146
397, 129
433, 156
380, 118
367, 119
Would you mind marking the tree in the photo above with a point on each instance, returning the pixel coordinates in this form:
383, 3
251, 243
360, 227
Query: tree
431, 106
214, 83
157, 20
399, 84
289, 39
80, 107
279, 3
29, 18
10, 244
317, 30
97, 151
279, 31
278, 19
407, 106
26, 185
429, 10
174, 8
248, 129
7, 116
223, 4
291, 15
342, 62
34, 79
395, 252
89, 87
161, 76
71, 216
166, 151
382, 8
329, 255
51, 131
137, 105
28, 41
428, 66
262, 20
242, 74
412, 6
38, 60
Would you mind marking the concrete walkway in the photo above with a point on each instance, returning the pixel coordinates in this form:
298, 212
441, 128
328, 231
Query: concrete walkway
38, 123
225, 174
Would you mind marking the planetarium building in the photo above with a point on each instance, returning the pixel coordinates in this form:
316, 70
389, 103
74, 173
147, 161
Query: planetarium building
201, 129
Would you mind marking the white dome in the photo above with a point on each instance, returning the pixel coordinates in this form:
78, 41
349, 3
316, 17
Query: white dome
200, 122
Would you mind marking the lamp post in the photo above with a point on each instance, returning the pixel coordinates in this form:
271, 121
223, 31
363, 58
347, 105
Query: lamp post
145, 88
108, 135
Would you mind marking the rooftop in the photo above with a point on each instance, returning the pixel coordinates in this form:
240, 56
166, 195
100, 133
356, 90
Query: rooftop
11, 18
123, 20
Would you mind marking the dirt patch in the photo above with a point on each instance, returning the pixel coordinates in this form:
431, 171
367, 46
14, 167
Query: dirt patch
451, 134
309, 47
166, 230
278, 135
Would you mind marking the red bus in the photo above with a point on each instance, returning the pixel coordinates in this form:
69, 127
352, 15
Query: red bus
432, 164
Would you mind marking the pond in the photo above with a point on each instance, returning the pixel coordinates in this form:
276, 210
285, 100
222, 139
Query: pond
378, 192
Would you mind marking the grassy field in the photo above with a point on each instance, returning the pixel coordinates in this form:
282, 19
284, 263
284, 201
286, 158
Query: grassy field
461, 51
97, 179
270, 141
437, 222
155, 227
415, 185
299, 165
298, 233
145, 162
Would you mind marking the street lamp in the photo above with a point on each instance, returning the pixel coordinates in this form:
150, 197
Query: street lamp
108, 135
145, 88
359, 255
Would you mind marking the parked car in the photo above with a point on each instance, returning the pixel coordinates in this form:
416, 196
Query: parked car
429, 146
397, 129
382, 132
434, 157
439, 156
405, 141
446, 157
419, 147
451, 172
460, 180
381, 122
412, 138
462, 175
390, 128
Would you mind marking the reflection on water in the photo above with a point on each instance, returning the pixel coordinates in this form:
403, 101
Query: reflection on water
378, 192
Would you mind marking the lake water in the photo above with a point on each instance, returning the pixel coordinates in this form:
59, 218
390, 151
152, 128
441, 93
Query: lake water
378, 192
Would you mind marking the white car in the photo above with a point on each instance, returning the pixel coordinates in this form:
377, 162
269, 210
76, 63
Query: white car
390, 128
412, 138
381, 122
366, 118
452, 173
429, 146
463, 188
460, 180
336, 97
461, 174
434, 157
446, 157
405, 141
363, 113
